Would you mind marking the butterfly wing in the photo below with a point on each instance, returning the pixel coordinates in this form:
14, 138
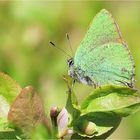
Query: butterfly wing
102, 55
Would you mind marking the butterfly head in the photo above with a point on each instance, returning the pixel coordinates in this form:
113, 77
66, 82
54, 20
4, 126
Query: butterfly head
70, 62
71, 71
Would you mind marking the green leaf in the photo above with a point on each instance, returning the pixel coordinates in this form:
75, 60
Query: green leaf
104, 136
3, 124
72, 108
102, 110
72, 103
69, 81
96, 124
120, 100
41, 132
5, 135
4, 108
8, 87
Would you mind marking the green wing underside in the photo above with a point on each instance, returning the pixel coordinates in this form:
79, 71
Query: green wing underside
102, 55
109, 64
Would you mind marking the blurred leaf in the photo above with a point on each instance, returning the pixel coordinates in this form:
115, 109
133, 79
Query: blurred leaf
8, 87
27, 110
41, 132
4, 108
5, 135
5, 131
121, 100
96, 123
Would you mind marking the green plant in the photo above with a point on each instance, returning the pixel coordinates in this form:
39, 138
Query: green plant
22, 113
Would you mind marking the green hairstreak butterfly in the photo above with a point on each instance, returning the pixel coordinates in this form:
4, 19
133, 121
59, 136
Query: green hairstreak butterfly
102, 57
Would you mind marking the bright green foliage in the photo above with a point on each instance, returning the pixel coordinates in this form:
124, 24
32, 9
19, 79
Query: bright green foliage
40, 132
121, 100
101, 112
4, 108
102, 55
8, 87
105, 106
9, 134
97, 117
104, 122
72, 103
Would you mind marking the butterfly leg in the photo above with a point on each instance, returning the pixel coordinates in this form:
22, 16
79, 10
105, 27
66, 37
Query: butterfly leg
126, 83
73, 82
94, 84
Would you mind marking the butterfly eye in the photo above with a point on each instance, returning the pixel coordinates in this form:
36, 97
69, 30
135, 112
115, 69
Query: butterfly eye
70, 62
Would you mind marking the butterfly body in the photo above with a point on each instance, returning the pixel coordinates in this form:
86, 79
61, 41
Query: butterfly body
102, 57
78, 74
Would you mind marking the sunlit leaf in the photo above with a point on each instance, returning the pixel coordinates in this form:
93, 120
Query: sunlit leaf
4, 108
72, 103
121, 100
9, 88
96, 123
102, 110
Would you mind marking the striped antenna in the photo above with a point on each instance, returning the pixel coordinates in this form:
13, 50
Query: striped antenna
68, 39
60, 49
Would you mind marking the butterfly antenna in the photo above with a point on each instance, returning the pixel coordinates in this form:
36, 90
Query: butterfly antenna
68, 39
60, 49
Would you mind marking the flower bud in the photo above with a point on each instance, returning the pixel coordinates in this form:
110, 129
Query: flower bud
90, 128
53, 114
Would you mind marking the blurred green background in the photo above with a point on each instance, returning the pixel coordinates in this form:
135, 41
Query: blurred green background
26, 55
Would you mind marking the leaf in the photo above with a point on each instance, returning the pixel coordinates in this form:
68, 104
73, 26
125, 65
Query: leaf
40, 132
4, 108
72, 103
27, 110
120, 100
102, 110
9, 88
69, 81
96, 124
101, 137
72, 108
5, 135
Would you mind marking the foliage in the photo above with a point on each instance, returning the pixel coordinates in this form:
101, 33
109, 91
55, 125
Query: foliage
102, 110
97, 117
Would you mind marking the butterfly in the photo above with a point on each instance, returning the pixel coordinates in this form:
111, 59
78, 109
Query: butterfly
102, 57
